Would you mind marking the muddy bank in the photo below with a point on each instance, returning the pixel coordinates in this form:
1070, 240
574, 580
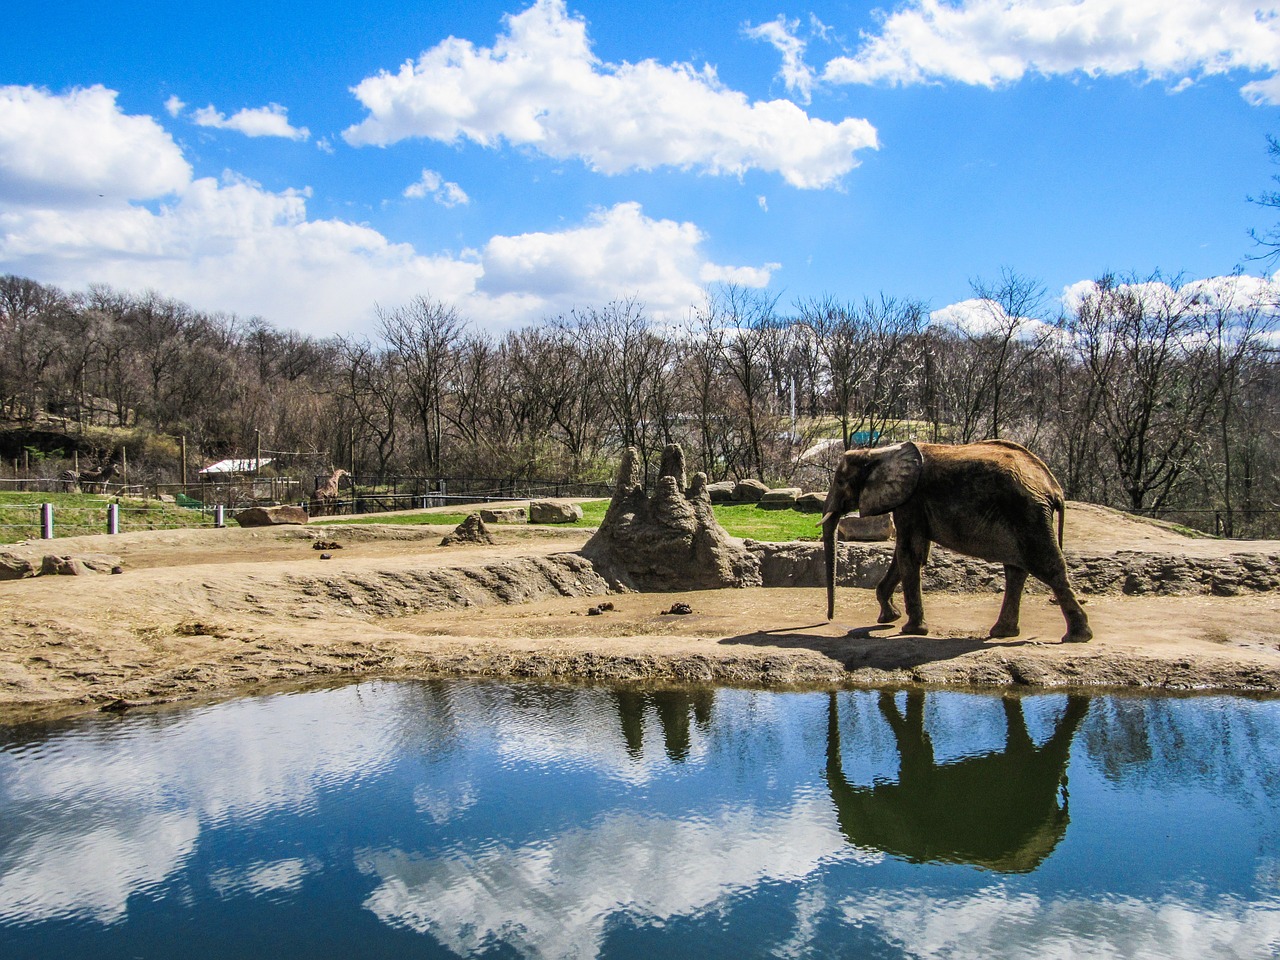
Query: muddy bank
218, 611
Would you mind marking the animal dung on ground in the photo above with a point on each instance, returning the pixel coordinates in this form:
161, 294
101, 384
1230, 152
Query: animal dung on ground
600, 608
678, 609
326, 545
326, 556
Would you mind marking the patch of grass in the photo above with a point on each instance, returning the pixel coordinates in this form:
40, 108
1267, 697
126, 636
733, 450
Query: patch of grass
738, 519
77, 514
773, 526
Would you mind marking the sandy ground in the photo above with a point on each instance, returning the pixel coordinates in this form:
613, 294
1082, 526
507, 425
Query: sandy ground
215, 612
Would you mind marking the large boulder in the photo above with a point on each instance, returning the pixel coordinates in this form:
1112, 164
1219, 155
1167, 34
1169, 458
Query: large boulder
283, 515
52, 565
670, 540
810, 502
470, 530
504, 515
13, 567
749, 491
867, 528
721, 492
554, 511
783, 498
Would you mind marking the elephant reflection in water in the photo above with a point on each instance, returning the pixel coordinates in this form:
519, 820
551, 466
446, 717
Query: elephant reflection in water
673, 708
1003, 811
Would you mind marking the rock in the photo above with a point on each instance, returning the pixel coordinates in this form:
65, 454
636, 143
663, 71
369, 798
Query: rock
554, 511
810, 502
283, 515
505, 515
16, 568
721, 492
470, 530
782, 498
867, 528
678, 609
53, 565
669, 540
749, 491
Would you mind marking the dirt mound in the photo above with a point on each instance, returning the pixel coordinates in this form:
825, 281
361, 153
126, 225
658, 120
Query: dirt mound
669, 540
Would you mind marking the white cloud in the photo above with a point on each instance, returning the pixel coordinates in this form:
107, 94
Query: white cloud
993, 42
64, 150
541, 86
174, 105
269, 121
618, 251
980, 316
781, 34
229, 244
994, 923
442, 191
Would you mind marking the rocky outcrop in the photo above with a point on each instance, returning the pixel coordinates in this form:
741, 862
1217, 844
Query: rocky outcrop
799, 564
13, 567
554, 511
749, 491
283, 515
721, 492
470, 530
670, 540
810, 502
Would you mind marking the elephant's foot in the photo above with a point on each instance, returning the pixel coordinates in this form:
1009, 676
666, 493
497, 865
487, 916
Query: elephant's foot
1003, 629
916, 629
888, 613
1082, 635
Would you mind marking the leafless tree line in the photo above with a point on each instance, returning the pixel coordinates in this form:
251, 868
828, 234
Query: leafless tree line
1141, 393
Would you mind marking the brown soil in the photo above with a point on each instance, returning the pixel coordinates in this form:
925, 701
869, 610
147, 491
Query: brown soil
211, 612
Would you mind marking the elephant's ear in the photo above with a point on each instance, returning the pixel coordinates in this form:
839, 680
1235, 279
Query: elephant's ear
892, 480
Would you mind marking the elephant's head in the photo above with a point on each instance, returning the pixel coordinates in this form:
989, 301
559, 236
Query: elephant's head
869, 481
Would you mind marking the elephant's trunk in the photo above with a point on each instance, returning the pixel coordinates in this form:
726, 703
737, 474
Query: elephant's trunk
829, 524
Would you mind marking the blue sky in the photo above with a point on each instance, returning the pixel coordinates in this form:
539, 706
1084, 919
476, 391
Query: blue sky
517, 159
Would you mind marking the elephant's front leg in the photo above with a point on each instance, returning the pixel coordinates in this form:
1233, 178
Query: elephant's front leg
1015, 578
884, 591
911, 555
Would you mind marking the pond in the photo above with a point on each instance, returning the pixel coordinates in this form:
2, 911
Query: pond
424, 819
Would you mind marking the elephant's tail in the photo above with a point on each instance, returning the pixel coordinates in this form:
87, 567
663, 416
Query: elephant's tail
1061, 506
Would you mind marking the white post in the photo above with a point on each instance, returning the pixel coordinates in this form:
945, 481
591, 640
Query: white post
46, 521
219, 516
113, 518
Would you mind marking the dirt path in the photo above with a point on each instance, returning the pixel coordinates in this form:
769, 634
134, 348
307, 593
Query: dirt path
200, 612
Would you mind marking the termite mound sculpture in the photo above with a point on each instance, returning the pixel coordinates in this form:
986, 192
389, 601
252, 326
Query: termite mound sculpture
667, 540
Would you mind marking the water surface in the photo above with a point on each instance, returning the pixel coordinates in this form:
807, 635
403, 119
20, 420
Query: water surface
453, 818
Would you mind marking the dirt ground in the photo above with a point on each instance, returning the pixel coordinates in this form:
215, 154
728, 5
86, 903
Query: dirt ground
200, 613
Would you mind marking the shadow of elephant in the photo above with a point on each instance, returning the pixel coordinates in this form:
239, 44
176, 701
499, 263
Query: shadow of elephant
1004, 810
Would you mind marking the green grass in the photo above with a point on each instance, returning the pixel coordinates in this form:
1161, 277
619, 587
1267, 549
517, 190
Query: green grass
76, 514
738, 519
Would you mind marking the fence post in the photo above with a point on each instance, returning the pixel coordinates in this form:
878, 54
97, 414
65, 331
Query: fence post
46, 521
219, 516
113, 518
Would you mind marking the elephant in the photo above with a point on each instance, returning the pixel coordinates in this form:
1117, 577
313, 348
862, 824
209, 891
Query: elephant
1004, 810
993, 500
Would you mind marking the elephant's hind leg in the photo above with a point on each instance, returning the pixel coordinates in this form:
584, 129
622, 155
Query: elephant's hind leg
1055, 577
1006, 625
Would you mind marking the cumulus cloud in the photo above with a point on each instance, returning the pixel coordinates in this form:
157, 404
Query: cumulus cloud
980, 316
65, 150
269, 121
781, 34
541, 86
994, 42
443, 192
229, 244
